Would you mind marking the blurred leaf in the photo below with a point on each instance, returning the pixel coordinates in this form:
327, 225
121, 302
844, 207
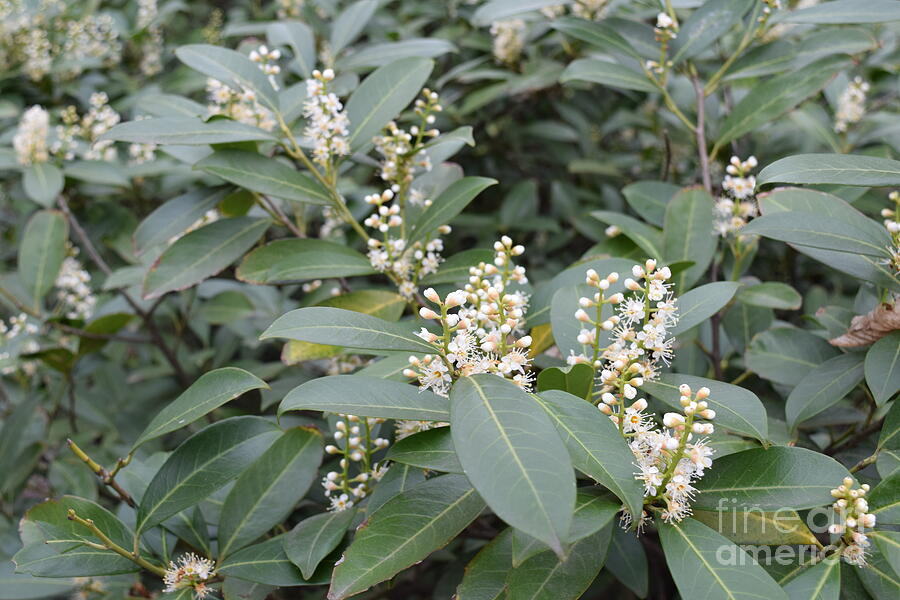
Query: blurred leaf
42, 182
185, 131
231, 68
301, 260
699, 304
42, 251
595, 70
882, 367
431, 449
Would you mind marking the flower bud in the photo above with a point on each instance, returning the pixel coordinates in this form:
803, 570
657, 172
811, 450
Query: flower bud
427, 313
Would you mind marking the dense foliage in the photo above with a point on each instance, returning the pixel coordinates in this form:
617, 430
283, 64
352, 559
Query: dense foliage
517, 299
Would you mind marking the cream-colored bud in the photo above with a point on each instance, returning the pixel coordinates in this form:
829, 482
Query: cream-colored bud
703, 393
432, 295
612, 277
427, 313
582, 316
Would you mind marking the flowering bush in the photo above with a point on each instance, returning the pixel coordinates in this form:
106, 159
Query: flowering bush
472, 299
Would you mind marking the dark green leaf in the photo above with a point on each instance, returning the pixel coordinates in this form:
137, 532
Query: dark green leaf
264, 175
699, 304
42, 182
431, 449
688, 235
314, 538
824, 387
185, 131
447, 205
42, 251
594, 70
841, 169
300, 260
883, 367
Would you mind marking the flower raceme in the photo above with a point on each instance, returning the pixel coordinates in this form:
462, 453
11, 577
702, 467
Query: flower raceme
853, 519
355, 441
191, 571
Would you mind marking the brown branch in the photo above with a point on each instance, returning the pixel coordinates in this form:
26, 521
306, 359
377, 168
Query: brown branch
108, 479
856, 439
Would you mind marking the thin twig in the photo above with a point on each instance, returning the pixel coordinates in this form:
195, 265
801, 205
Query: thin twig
856, 439
108, 479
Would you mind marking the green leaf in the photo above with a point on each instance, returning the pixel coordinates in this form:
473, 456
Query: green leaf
688, 235
577, 380
883, 367
770, 479
768, 101
397, 480
447, 205
649, 199
878, 577
431, 449
174, 216
202, 253
185, 131
376, 55
841, 169
699, 304
844, 11
42, 251
756, 527
889, 544
511, 453
628, 562
737, 409
229, 67
405, 530
202, 464
209, 392
565, 326
824, 387
382, 95
267, 563
765, 59
263, 175
485, 577
594, 70
706, 25
547, 577
313, 538
300, 260
649, 239
497, 10
21, 586
456, 268
13, 432
698, 559
819, 582
347, 328
595, 33
815, 231
266, 493
884, 500
594, 444
771, 294
42, 182
350, 23
97, 171
366, 397
70, 560
300, 38
786, 355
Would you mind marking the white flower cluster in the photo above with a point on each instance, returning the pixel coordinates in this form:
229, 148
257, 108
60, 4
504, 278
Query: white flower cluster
241, 105
191, 571
79, 135
670, 460
734, 209
30, 140
268, 62
509, 40
290, 9
16, 326
851, 105
73, 289
327, 123
666, 30
892, 224
483, 335
639, 331
851, 508
93, 37
355, 444
592, 10
152, 45
403, 152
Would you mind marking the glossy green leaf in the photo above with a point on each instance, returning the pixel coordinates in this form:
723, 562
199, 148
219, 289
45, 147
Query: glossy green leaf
202, 464
350, 23
70, 560
300, 260
884, 500
313, 538
649, 199
229, 67
770, 479
786, 354
706, 25
701, 303
882, 367
185, 131
486, 574
845, 11
594, 70
267, 563
627, 561
202, 253
174, 217
888, 543
431, 449
300, 37
266, 493
405, 530
397, 480
771, 294
815, 231
775, 97
594, 444
595, 33
824, 387
382, 96
649, 239
447, 205
700, 562
577, 380
263, 175
22, 586
42, 251
841, 169
209, 392
339, 327
510, 451
497, 10
819, 582
688, 235
737, 409
456, 268
42, 182
366, 397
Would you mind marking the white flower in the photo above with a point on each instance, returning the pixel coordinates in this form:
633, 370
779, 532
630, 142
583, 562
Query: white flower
509, 40
189, 571
30, 140
851, 105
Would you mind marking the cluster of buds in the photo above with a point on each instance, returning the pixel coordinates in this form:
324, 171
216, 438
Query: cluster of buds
770, 7
79, 134
386, 215
737, 206
73, 288
670, 460
327, 123
851, 508
666, 30
406, 264
268, 62
591, 10
30, 140
16, 326
509, 40
851, 105
241, 106
191, 571
403, 151
892, 224
354, 443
